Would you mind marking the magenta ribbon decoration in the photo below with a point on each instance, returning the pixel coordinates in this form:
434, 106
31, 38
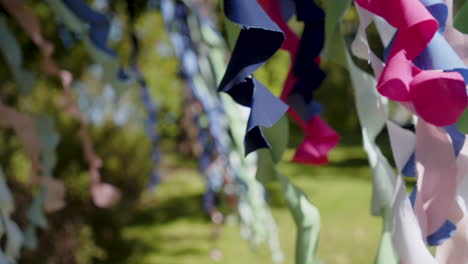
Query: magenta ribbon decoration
437, 97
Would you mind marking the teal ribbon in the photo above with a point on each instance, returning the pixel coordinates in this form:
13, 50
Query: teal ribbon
8, 228
49, 141
13, 55
110, 64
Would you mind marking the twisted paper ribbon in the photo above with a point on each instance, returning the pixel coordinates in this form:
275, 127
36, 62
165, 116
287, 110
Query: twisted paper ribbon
94, 28
176, 19
13, 55
39, 142
361, 49
438, 194
406, 228
152, 109
257, 223
304, 78
258, 40
438, 55
371, 109
437, 97
261, 29
9, 230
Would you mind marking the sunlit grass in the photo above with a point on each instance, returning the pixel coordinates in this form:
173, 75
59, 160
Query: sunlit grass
173, 229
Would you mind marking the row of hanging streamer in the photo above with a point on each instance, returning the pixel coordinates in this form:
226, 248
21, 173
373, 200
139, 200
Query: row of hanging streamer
258, 224
175, 16
428, 137
259, 38
9, 230
372, 114
183, 29
39, 138
152, 108
93, 27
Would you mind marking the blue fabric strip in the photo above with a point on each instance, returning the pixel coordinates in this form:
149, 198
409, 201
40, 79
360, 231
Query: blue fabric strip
258, 40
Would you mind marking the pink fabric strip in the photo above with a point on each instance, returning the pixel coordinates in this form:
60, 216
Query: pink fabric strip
320, 138
436, 170
406, 233
437, 97
104, 195
25, 128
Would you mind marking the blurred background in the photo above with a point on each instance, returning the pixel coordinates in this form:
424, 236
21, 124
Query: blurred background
168, 225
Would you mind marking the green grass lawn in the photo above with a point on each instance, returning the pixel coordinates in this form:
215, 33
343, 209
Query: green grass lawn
171, 228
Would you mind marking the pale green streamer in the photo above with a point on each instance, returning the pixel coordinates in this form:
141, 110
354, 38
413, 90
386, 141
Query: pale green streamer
13, 55
109, 63
25, 79
49, 141
372, 121
258, 224
306, 216
8, 229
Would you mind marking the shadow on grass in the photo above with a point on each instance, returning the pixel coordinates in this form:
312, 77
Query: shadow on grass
149, 219
189, 206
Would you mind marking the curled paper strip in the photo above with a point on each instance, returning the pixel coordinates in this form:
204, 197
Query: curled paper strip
212, 136
437, 55
304, 78
152, 109
438, 173
406, 233
427, 93
258, 40
257, 222
406, 229
191, 33
371, 109
55, 189
25, 127
9, 230
94, 28
407, 165
13, 55
306, 216
104, 195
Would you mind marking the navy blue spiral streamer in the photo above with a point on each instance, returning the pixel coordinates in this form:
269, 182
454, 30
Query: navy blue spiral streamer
306, 70
152, 108
258, 40
99, 29
99, 25
214, 137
